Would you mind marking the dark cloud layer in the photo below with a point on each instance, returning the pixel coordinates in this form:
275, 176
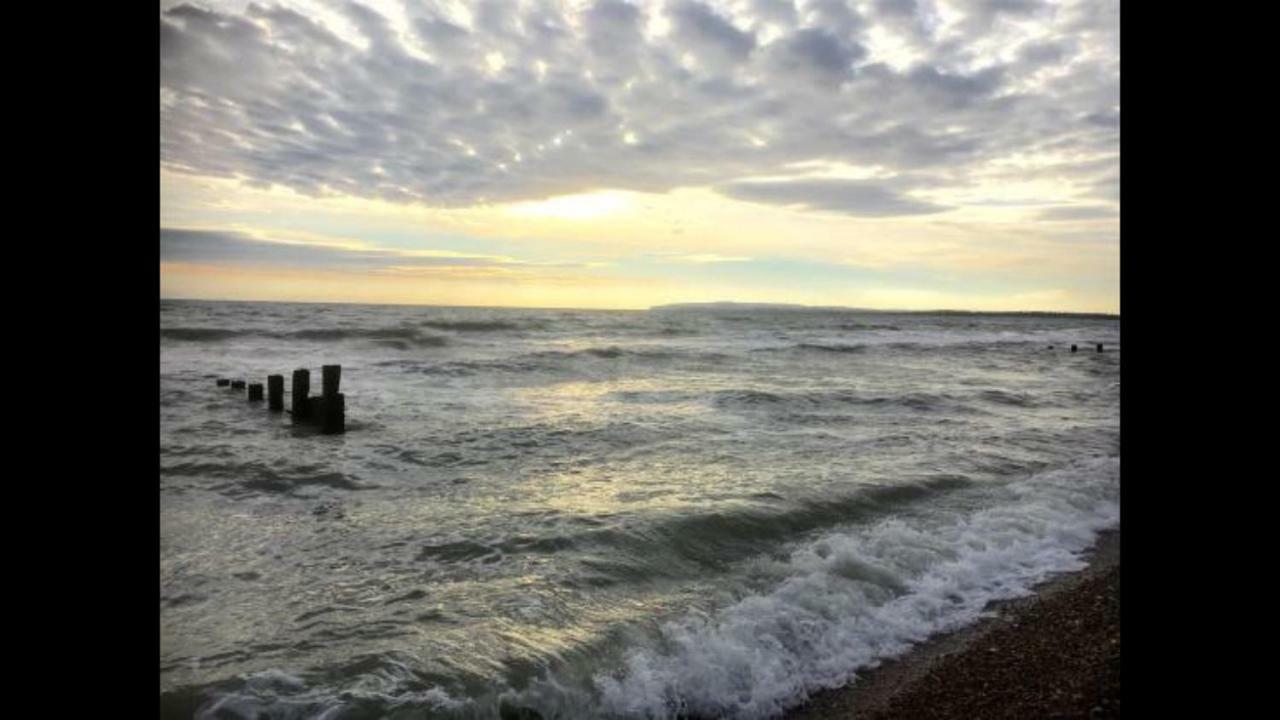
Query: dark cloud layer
218, 247
528, 100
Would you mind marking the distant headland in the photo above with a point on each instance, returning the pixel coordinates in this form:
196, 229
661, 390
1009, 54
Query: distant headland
791, 307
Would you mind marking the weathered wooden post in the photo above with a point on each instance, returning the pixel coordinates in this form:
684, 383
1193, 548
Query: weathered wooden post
255, 392
332, 407
331, 375
301, 387
1073, 348
224, 382
237, 384
335, 414
275, 393
1099, 347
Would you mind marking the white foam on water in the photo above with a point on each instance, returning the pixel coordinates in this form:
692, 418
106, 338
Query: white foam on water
856, 598
277, 694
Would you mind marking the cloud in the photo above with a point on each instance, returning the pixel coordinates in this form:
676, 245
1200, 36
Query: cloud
698, 258
900, 8
1039, 53
614, 33
1078, 212
819, 55
219, 247
523, 102
980, 15
833, 15
954, 91
852, 197
1108, 188
712, 38
778, 12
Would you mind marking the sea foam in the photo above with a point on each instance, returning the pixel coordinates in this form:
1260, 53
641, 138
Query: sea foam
857, 598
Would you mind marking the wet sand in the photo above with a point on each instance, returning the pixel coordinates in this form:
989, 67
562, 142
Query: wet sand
1055, 654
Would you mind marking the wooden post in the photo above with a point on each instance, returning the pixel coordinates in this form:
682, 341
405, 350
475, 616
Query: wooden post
334, 414
301, 387
1073, 348
255, 392
237, 384
275, 393
1099, 347
224, 382
331, 375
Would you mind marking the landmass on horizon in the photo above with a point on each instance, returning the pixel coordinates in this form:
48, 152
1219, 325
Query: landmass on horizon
713, 306
734, 305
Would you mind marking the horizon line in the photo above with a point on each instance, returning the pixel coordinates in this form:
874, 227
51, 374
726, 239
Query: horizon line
693, 305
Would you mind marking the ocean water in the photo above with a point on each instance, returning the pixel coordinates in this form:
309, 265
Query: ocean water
684, 512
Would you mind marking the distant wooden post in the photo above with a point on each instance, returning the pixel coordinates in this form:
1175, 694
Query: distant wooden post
1073, 348
331, 410
224, 382
335, 414
331, 375
1099, 347
301, 388
255, 392
275, 393
237, 384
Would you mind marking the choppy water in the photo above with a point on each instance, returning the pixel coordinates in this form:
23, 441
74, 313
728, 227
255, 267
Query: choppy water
609, 514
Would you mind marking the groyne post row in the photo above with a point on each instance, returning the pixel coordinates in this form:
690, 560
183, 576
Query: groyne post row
328, 411
1076, 349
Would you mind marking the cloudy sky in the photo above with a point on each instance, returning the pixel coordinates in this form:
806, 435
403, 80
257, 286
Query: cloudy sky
617, 153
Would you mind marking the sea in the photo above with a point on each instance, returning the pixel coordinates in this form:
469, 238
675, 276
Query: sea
683, 512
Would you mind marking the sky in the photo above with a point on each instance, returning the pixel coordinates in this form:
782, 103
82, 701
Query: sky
892, 154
